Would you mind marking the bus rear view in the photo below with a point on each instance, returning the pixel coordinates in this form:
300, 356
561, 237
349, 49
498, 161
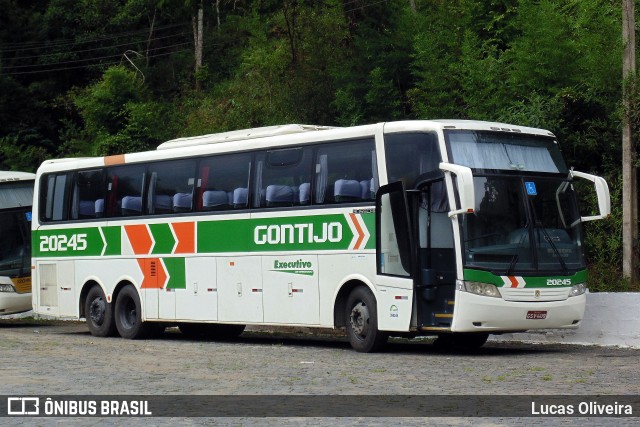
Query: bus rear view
16, 194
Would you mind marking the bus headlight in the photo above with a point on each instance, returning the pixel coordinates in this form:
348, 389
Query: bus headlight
484, 289
578, 289
4, 287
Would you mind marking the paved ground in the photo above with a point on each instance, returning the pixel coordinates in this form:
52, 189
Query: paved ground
62, 358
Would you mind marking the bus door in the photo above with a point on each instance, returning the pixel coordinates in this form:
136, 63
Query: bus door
395, 258
436, 260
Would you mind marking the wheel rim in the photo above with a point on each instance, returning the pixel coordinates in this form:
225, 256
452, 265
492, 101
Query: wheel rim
97, 311
129, 314
359, 319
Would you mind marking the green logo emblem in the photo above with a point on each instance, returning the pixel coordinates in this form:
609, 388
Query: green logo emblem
294, 267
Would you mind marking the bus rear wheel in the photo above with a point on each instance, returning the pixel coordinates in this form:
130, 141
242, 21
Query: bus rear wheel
362, 322
99, 313
128, 314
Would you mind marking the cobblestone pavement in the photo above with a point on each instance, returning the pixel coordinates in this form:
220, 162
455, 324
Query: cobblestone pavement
62, 358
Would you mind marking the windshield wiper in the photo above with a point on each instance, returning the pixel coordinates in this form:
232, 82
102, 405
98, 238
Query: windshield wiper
512, 264
537, 224
516, 256
553, 246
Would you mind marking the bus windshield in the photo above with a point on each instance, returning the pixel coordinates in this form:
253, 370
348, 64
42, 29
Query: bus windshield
15, 256
505, 151
15, 208
16, 195
523, 224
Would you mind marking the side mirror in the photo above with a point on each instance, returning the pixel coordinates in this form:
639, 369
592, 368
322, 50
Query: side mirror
466, 192
602, 192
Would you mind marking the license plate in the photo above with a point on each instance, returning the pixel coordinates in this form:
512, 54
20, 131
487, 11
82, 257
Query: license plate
536, 315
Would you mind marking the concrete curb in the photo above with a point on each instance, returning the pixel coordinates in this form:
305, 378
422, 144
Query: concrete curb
610, 319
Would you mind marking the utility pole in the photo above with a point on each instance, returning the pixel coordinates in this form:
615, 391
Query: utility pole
198, 42
629, 170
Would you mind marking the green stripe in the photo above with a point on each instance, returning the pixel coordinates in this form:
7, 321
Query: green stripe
530, 281
67, 243
303, 272
369, 220
176, 270
113, 237
305, 233
163, 237
302, 233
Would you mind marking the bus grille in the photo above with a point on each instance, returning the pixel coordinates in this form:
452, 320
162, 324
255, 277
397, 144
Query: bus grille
535, 294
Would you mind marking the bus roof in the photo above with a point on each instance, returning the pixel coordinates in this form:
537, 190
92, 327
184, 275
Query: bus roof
471, 125
7, 176
237, 135
278, 136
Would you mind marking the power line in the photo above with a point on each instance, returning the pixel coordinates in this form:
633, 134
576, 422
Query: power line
77, 61
90, 65
365, 6
14, 58
14, 47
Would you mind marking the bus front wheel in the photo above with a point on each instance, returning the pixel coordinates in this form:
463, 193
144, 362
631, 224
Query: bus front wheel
128, 315
99, 313
362, 322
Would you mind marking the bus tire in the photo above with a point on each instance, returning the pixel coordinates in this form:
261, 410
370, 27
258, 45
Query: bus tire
99, 313
128, 314
362, 322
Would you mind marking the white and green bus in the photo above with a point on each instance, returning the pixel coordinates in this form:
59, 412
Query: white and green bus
16, 196
457, 229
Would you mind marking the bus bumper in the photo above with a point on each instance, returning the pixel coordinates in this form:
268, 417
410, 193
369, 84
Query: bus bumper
11, 302
475, 313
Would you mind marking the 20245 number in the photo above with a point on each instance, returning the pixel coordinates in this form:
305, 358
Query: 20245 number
63, 243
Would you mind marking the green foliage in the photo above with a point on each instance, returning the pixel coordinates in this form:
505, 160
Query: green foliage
119, 115
436, 53
21, 152
103, 104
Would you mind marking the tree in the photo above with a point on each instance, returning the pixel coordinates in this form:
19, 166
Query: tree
120, 116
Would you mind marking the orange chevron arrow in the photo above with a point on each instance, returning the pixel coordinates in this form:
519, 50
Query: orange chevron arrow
186, 234
153, 272
139, 238
361, 234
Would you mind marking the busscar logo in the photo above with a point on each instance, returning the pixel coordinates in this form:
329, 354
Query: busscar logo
23, 406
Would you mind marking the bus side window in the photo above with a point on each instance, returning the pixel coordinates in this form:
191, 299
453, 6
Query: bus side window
55, 205
170, 186
283, 177
88, 195
411, 155
125, 184
223, 182
346, 172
